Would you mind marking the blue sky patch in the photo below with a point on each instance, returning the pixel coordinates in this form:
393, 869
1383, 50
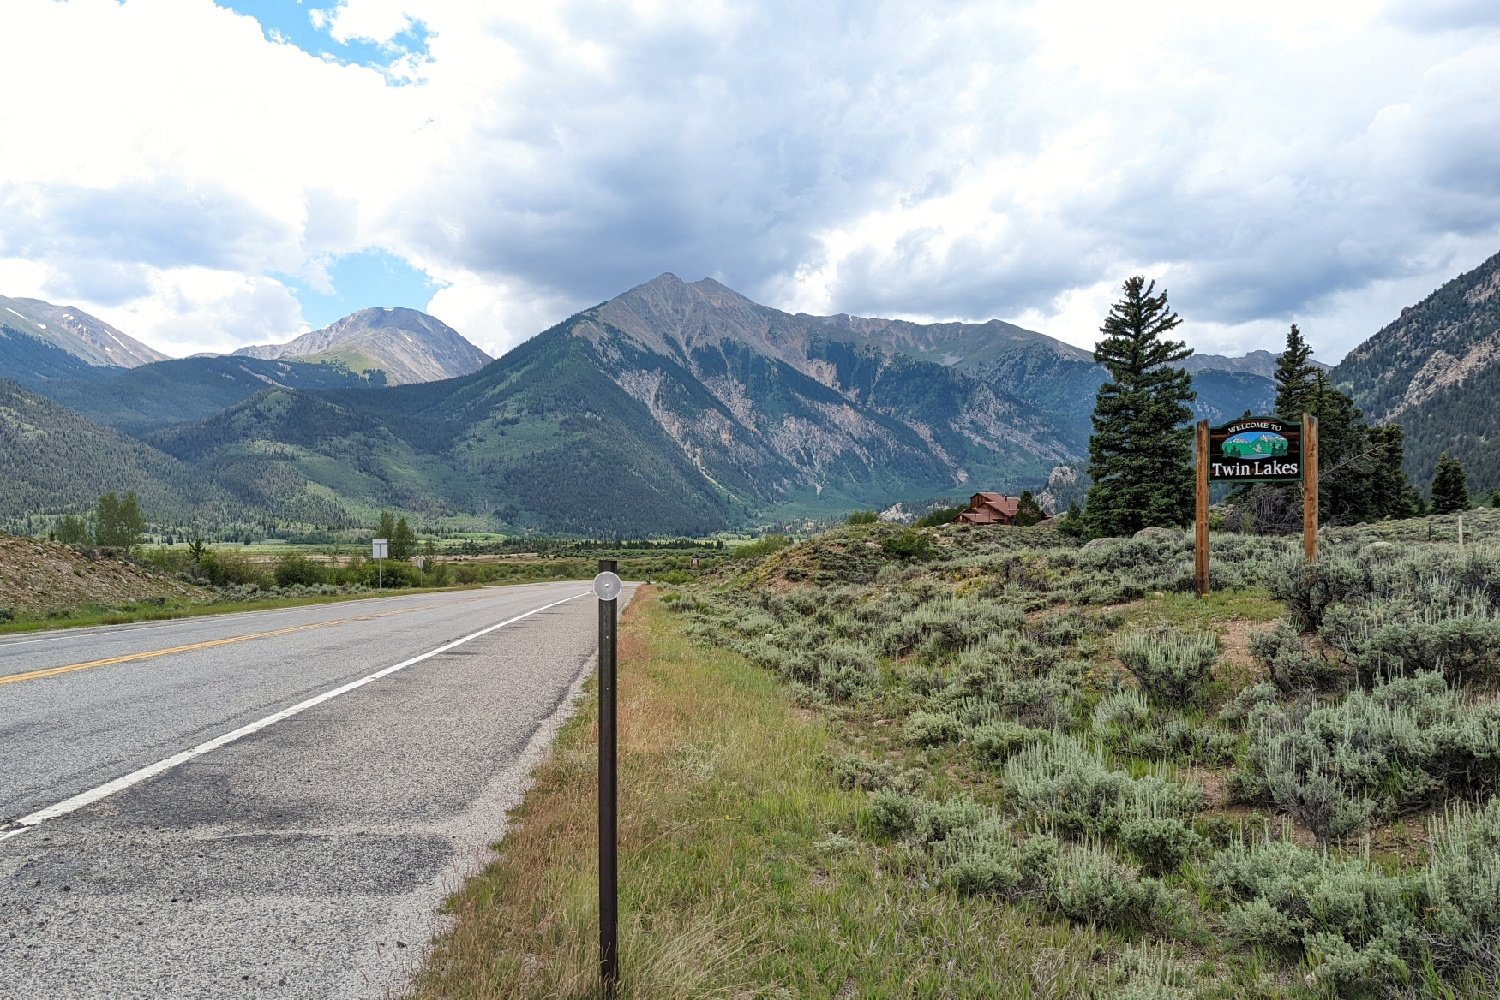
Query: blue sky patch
291, 21
361, 280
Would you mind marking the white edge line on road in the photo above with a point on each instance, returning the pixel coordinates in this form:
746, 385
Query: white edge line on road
152, 770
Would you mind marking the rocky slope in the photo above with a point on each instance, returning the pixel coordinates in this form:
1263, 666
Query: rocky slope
405, 344
1436, 371
75, 331
37, 576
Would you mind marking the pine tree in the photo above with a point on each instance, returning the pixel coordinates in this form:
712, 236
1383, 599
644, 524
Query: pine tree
1140, 454
1347, 460
1450, 489
403, 541
1297, 383
387, 525
1028, 511
1394, 494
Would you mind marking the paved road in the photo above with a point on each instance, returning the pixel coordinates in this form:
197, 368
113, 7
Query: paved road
305, 855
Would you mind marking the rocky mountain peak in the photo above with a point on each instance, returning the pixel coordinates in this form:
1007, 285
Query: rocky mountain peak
406, 344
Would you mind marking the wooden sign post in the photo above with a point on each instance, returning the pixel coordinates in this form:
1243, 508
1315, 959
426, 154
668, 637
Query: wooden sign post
1200, 548
1310, 487
1257, 450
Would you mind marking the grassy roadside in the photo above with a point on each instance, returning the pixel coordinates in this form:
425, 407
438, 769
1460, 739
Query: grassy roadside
150, 611
744, 872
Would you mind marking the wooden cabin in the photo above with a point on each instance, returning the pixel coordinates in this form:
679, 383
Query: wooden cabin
990, 508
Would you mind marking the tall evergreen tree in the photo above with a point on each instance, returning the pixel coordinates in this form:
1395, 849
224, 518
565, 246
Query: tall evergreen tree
1395, 496
1028, 511
1450, 488
1140, 454
1297, 383
403, 541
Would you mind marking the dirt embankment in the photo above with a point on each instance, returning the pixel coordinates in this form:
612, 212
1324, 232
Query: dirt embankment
41, 576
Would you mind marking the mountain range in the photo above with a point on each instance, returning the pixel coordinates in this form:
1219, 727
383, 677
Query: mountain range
675, 407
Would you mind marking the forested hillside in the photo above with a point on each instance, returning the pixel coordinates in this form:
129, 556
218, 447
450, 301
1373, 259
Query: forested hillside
54, 461
1435, 371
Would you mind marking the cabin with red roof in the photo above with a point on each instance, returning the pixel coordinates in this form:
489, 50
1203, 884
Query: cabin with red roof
990, 508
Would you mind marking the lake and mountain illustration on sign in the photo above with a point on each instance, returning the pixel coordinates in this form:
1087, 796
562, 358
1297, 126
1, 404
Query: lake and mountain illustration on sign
1253, 445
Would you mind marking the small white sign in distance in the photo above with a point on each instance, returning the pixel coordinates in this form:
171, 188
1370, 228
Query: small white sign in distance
380, 548
607, 586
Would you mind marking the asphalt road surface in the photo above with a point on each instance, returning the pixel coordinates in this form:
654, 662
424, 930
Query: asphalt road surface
270, 804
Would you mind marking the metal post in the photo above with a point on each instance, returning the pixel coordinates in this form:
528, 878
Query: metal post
609, 952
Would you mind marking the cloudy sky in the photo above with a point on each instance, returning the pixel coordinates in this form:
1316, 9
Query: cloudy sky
205, 176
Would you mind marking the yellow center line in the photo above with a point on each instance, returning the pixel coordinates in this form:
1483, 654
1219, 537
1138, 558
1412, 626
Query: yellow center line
207, 644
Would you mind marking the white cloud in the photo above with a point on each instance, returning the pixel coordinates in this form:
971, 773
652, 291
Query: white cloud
1269, 163
377, 21
193, 310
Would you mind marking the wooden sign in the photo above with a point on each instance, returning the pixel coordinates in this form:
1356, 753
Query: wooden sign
1255, 450
1252, 450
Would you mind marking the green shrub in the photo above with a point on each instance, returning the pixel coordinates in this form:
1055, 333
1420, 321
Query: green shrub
293, 570
986, 859
1291, 664
1172, 666
760, 547
919, 820
930, 729
945, 515
1090, 885
863, 517
1067, 785
854, 771
912, 545
1401, 744
995, 741
229, 568
1161, 844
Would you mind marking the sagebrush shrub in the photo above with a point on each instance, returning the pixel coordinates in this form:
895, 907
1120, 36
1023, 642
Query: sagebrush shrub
1402, 743
1172, 666
1064, 784
1309, 589
1352, 922
930, 729
995, 741
1459, 637
1462, 887
1091, 885
1291, 664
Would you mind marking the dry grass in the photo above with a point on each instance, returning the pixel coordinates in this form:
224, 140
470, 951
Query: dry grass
730, 886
